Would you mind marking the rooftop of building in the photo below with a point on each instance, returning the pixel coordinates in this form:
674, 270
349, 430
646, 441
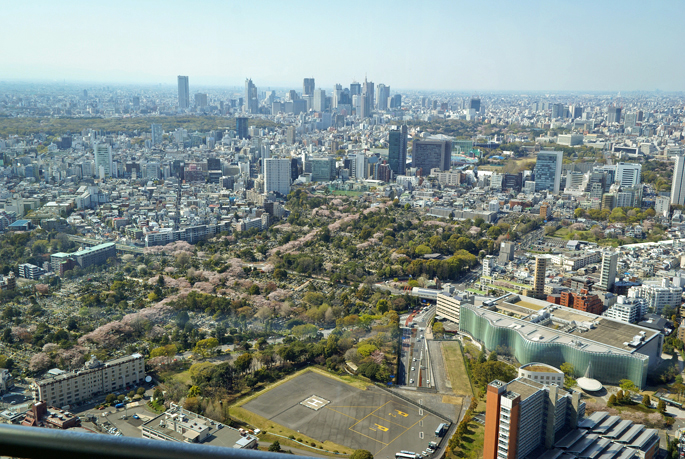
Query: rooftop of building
540, 368
104, 245
219, 434
92, 364
527, 387
581, 330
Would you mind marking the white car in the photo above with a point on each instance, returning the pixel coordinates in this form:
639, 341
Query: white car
411, 381
412, 368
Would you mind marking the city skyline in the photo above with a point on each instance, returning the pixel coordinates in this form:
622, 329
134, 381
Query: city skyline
493, 47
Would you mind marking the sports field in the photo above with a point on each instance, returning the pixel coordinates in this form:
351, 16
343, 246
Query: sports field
326, 409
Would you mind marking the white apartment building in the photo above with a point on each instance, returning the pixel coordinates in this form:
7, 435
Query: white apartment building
488, 264
277, 175
573, 261
662, 205
658, 297
630, 310
95, 378
103, 158
448, 178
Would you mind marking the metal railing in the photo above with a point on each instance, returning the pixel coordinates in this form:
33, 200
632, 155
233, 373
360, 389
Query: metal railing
35, 442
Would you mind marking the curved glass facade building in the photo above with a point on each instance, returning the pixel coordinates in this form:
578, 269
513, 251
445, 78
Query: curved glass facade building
532, 342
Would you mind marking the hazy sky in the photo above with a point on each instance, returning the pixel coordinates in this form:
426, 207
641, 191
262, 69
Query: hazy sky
612, 45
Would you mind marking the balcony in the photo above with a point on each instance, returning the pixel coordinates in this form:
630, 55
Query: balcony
34, 442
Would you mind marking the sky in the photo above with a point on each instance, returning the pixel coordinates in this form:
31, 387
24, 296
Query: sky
553, 45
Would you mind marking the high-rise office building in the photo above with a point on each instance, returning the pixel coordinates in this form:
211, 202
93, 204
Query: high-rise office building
558, 110
608, 272
539, 279
308, 87
355, 89
294, 170
290, 135
156, 134
364, 109
241, 127
396, 101
548, 171
322, 169
337, 93
430, 154
678, 185
319, 103
103, 158
524, 415
251, 100
397, 150
630, 120
183, 92
361, 165
474, 104
277, 175
291, 95
200, 100
613, 115
628, 174
369, 95
382, 96
575, 111
506, 252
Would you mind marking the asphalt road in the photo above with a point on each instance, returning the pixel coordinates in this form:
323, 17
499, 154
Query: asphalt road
414, 359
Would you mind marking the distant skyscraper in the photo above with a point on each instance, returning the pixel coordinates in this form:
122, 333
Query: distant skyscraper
241, 128
183, 92
608, 273
355, 89
277, 175
396, 101
548, 171
364, 110
614, 115
431, 154
368, 94
678, 185
291, 95
319, 103
558, 110
251, 100
200, 100
383, 93
630, 120
308, 87
156, 133
361, 165
474, 104
397, 150
575, 111
103, 157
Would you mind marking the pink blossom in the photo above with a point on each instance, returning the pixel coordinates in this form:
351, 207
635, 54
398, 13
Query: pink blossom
434, 223
40, 362
279, 294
